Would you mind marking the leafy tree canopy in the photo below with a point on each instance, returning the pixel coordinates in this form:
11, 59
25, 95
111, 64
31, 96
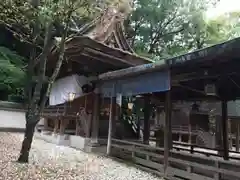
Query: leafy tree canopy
166, 28
12, 74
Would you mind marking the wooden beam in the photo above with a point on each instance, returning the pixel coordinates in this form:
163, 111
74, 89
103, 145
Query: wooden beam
106, 57
132, 58
184, 78
194, 76
225, 130
134, 71
191, 89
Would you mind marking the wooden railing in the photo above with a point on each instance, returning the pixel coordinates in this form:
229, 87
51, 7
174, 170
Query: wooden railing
62, 111
54, 111
181, 165
194, 149
183, 128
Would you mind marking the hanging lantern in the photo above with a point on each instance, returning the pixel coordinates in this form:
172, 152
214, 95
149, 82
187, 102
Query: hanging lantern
210, 90
130, 106
71, 96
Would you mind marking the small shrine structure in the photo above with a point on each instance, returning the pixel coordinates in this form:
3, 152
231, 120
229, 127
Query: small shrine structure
76, 115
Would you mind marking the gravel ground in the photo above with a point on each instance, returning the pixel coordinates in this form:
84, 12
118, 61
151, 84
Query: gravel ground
51, 162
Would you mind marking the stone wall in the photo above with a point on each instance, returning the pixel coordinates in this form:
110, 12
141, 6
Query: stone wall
11, 119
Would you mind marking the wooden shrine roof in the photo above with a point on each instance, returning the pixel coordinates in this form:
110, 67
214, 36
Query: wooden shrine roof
218, 64
212, 55
98, 46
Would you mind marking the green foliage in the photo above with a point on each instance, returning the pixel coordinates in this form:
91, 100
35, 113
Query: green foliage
18, 16
228, 24
166, 28
153, 24
12, 75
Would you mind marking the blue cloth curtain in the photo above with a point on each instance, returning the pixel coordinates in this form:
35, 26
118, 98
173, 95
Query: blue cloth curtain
140, 84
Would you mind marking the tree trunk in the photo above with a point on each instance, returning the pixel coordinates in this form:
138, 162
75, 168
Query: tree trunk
28, 137
36, 105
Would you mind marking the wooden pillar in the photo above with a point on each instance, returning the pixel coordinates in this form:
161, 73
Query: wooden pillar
95, 120
45, 124
237, 136
166, 130
116, 112
138, 127
157, 116
219, 144
88, 117
56, 126
180, 137
170, 121
159, 137
225, 130
159, 132
62, 127
78, 127
88, 124
147, 111
111, 119
230, 134
138, 112
189, 133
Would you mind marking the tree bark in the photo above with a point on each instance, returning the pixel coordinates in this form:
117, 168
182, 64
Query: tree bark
31, 123
36, 106
33, 113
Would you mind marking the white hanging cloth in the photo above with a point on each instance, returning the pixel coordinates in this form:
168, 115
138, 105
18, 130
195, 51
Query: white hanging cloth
64, 87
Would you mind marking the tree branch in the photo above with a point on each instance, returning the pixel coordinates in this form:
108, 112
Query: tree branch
21, 37
43, 58
158, 34
58, 64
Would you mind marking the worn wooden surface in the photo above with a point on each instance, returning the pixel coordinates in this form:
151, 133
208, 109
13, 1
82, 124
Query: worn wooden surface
188, 166
200, 150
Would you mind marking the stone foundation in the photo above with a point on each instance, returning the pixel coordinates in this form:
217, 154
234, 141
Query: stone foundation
77, 142
62, 140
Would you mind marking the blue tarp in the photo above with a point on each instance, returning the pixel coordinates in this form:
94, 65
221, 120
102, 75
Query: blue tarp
140, 84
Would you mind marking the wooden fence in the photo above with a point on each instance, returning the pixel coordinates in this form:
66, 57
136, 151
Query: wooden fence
192, 149
181, 165
196, 149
